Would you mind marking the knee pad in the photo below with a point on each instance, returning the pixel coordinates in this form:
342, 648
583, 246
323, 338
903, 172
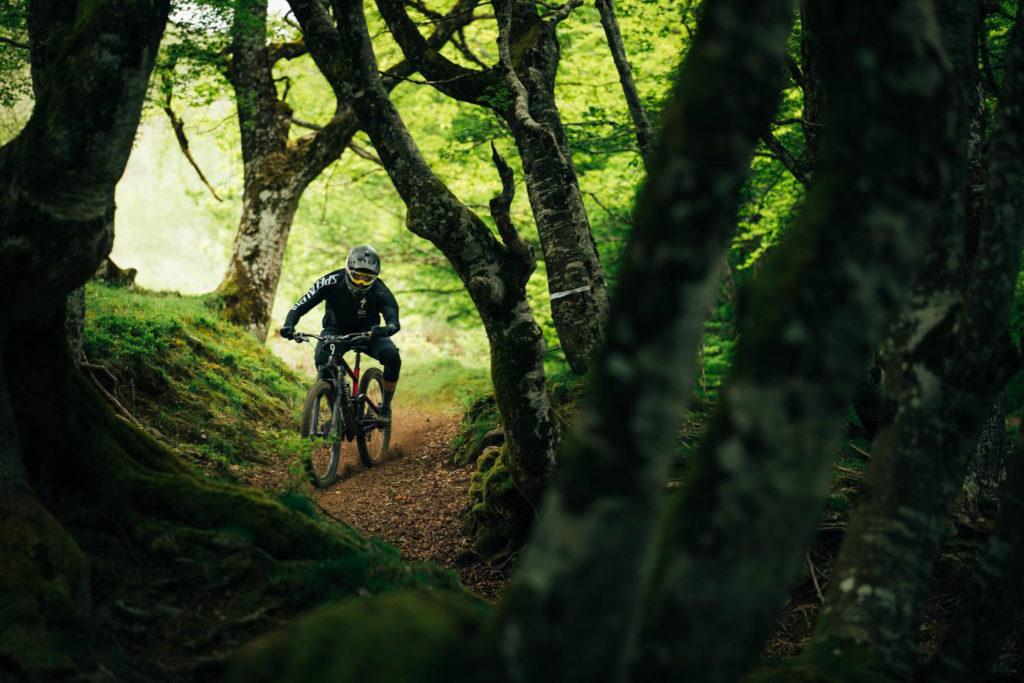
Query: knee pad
392, 361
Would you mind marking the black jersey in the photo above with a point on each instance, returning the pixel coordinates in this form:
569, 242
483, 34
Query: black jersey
347, 312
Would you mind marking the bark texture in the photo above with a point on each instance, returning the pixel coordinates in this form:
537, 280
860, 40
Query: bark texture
91, 63
991, 603
596, 531
90, 68
738, 529
520, 89
946, 361
493, 272
278, 169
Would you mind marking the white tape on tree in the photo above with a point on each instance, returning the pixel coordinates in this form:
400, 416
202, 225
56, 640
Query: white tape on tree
559, 295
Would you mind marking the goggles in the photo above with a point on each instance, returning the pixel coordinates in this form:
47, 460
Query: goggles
361, 278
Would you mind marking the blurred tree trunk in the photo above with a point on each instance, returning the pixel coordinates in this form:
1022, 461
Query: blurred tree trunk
641, 124
520, 89
493, 272
947, 360
739, 528
277, 169
597, 527
91, 64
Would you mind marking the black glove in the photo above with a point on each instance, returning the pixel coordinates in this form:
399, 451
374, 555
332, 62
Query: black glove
288, 332
378, 332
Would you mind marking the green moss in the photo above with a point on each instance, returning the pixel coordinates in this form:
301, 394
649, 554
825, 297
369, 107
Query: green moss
481, 418
207, 388
498, 517
44, 588
406, 636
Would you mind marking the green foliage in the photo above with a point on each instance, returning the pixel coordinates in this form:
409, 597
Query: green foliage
216, 396
15, 82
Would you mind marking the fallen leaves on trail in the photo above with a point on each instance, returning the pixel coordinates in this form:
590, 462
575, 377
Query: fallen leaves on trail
411, 500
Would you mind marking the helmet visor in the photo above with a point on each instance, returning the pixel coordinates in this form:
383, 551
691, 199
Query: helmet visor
362, 278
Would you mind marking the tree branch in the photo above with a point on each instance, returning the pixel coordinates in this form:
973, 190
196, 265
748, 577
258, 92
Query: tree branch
364, 153
563, 12
179, 132
452, 79
792, 164
642, 125
501, 205
15, 43
306, 124
521, 102
290, 50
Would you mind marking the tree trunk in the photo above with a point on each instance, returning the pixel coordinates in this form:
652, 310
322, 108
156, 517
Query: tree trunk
990, 605
58, 175
278, 170
739, 528
641, 124
495, 274
90, 68
597, 528
946, 363
579, 297
986, 469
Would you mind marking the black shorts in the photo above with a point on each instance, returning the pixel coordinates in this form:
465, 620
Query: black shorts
381, 349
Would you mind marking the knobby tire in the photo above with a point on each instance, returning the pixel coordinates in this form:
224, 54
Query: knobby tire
372, 441
325, 448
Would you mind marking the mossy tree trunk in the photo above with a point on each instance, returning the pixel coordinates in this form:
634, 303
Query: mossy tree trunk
58, 175
990, 604
597, 527
278, 169
493, 272
947, 361
737, 531
520, 89
91, 63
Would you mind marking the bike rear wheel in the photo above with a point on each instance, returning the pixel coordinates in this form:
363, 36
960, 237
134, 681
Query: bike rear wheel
321, 426
374, 435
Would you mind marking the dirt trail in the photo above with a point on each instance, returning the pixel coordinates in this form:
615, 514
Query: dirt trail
412, 499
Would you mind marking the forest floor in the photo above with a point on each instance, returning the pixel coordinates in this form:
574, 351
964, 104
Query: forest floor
412, 500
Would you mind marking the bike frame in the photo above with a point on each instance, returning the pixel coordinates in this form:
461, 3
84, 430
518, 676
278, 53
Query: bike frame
336, 363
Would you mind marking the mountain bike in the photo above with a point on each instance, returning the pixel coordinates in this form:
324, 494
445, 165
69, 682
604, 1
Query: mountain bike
342, 407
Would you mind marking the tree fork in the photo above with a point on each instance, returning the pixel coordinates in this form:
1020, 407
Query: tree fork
738, 529
597, 527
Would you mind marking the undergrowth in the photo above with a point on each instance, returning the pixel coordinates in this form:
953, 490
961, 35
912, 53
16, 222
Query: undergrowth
206, 388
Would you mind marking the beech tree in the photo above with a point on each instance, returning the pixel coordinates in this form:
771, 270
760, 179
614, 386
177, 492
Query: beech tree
90, 65
737, 531
947, 360
520, 89
277, 167
494, 272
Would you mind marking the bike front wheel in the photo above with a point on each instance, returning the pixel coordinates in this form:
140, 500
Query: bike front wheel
321, 426
374, 434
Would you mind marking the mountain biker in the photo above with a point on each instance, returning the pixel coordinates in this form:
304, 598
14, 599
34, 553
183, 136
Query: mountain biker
356, 299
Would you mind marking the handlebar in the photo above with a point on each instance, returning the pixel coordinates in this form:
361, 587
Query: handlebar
349, 339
